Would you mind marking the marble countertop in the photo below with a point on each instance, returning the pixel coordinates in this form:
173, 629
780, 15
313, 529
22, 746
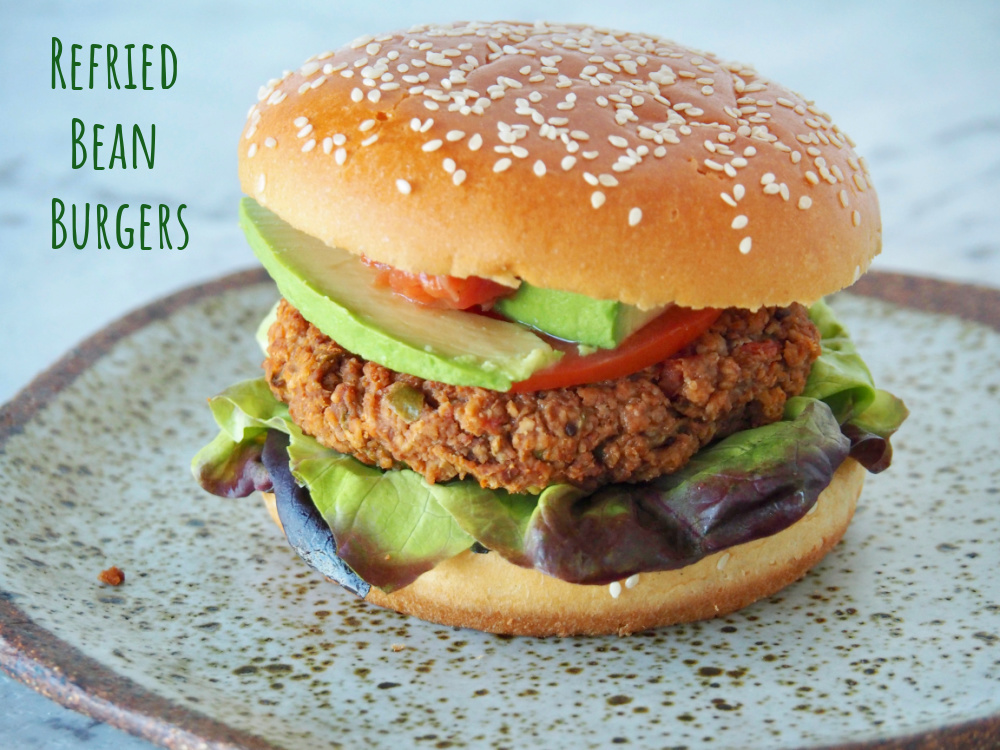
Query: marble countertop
905, 79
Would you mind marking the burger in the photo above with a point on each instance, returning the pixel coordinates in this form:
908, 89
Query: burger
551, 354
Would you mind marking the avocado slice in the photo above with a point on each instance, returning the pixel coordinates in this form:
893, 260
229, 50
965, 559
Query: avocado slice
336, 292
575, 317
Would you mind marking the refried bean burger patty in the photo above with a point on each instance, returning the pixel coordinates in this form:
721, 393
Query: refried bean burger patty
736, 376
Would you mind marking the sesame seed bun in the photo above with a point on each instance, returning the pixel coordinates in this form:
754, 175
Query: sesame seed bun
485, 592
621, 166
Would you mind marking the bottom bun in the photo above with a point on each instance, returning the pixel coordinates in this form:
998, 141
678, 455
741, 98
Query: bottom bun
485, 592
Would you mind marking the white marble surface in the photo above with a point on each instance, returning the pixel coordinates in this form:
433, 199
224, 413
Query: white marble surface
912, 82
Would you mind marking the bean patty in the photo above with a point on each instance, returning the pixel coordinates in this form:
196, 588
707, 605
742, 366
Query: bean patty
737, 375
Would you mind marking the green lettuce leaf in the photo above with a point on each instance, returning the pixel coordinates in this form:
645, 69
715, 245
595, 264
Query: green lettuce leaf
839, 377
388, 525
230, 465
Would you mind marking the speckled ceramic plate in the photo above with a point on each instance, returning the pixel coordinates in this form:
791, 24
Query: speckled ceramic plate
220, 637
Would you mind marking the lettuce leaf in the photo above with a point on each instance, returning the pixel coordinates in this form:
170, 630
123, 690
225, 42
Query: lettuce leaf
304, 527
745, 487
230, 465
390, 527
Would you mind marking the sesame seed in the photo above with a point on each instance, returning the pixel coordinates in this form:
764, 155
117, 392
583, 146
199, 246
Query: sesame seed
634, 217
745, 244
615, 589
361, 41
805, 202
539, 168
738, 191
844, 201
568, 162
304, 131
449, 165
369, 140
374, 95
340, 155
772, 188
270, 142
740, 222
618, 141
722, 561
252, 150
591, 179
403, 186
713, 165
357, 95
597, 199
501, 164
455, 135
309, 145
261, 182
856, 218
728, 199
812, 178
364, 126
309, 68
632, 581
300, 122
475, 142
339, 139
607, 180
459, 177
433, 145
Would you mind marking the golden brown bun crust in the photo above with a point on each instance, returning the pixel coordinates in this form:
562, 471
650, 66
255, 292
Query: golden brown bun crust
715, 158
487, 593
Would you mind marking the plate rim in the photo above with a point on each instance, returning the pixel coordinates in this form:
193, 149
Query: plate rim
58, 670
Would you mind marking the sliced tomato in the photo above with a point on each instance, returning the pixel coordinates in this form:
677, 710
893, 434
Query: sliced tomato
660, 338
439, 291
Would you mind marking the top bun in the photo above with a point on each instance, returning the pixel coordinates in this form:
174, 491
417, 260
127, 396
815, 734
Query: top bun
620, 166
